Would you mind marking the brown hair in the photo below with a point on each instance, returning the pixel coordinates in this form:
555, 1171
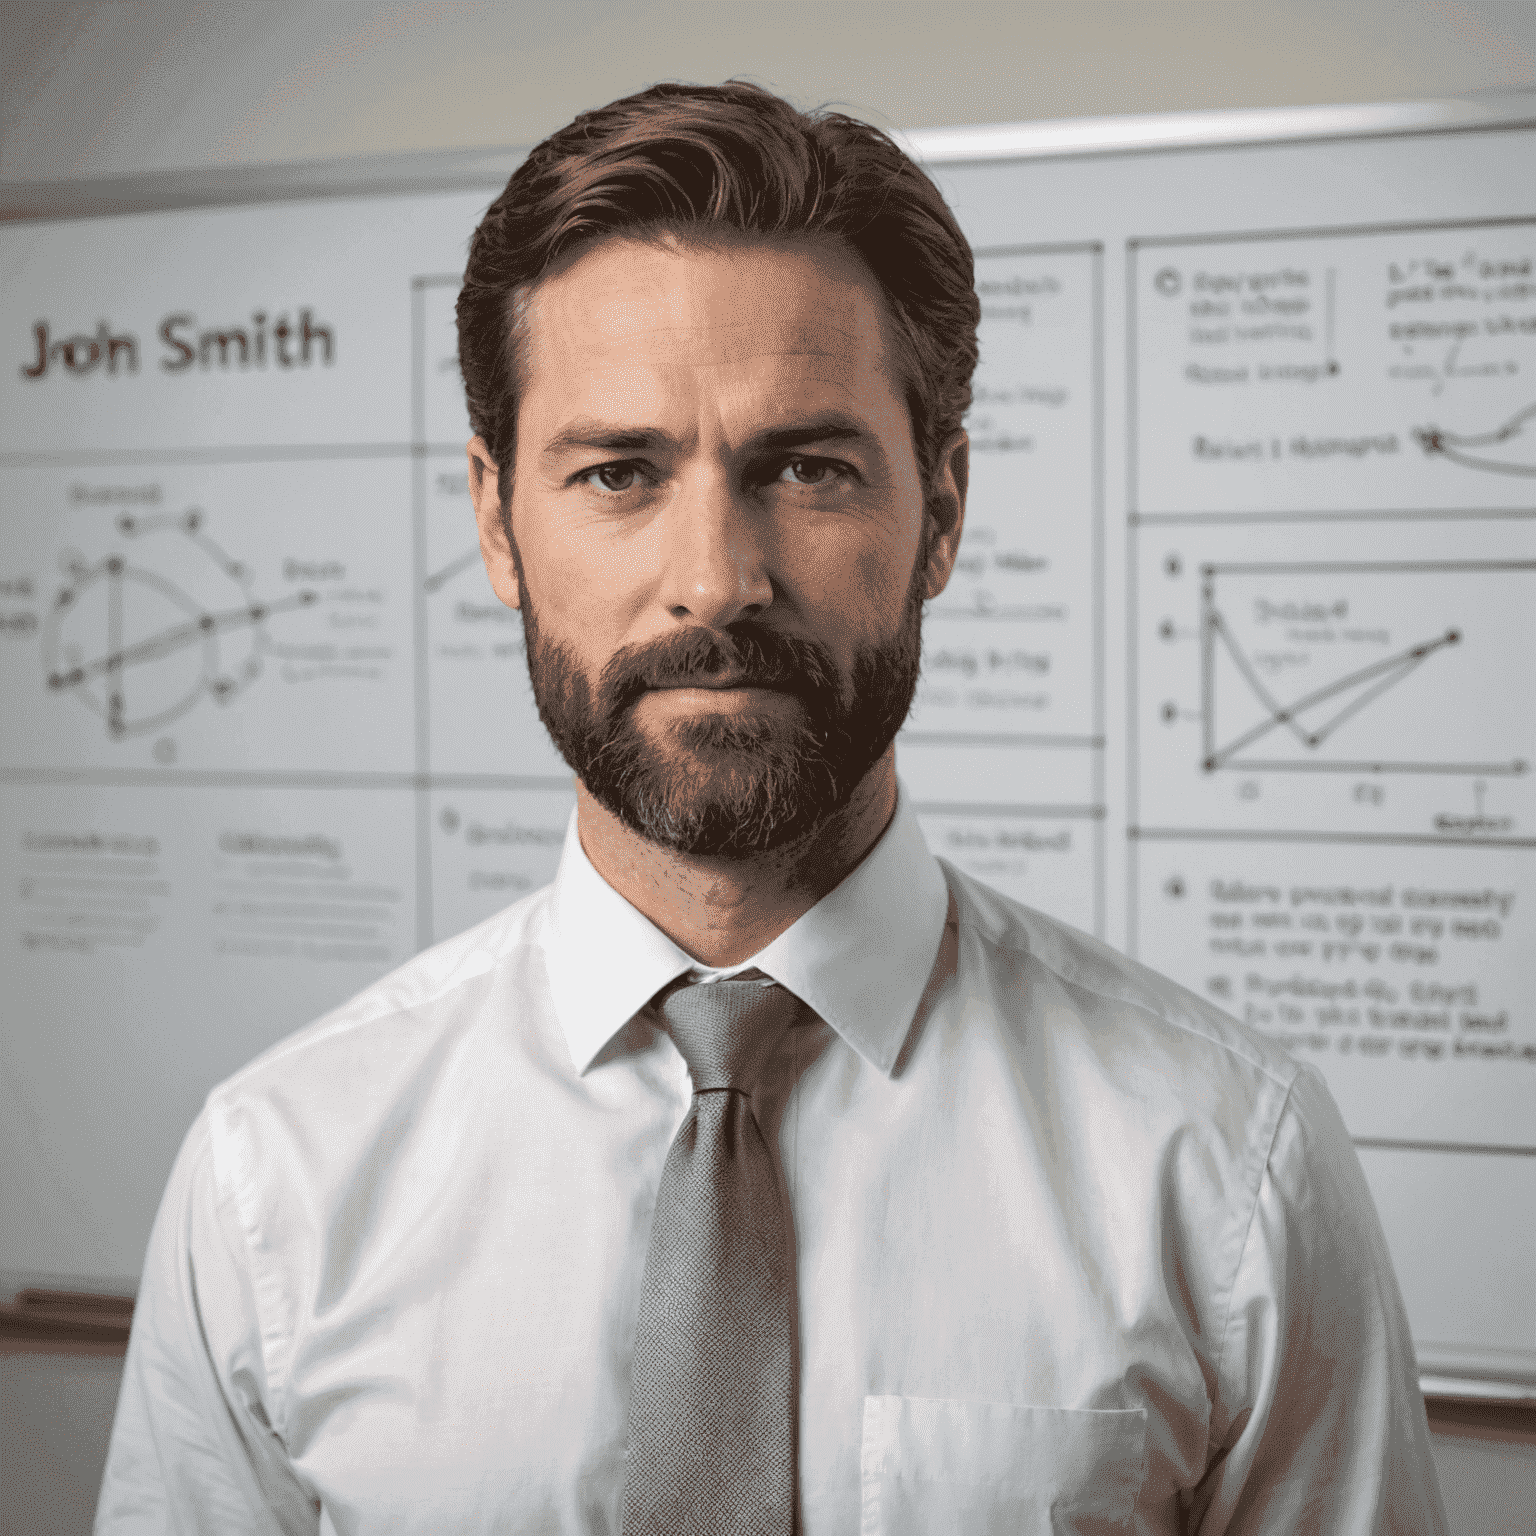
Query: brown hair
727, 158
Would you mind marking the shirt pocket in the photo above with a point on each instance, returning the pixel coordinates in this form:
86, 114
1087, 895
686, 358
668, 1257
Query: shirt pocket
931, 1464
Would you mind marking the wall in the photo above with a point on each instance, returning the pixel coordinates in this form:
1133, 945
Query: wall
93, 90
89, 91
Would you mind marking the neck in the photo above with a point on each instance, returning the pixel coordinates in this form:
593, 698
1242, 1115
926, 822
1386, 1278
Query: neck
722, 911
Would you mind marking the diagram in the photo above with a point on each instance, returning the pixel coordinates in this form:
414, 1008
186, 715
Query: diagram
1285, 686
139, 639
1313, 371
1497, 451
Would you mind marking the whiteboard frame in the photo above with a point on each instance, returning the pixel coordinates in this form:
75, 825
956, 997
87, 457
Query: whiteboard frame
1057, 138
447, 171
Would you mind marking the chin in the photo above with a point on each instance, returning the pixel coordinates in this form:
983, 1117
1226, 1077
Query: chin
725, 735
728, 785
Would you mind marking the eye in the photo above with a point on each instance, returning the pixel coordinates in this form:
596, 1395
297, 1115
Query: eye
612, 477
803, 471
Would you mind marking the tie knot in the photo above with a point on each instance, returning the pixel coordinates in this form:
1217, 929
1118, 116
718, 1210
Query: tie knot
725, 1030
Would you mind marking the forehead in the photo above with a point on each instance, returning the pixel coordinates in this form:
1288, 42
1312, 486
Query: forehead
628, 317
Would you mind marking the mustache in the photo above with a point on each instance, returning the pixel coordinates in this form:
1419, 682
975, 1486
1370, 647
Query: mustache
743, 655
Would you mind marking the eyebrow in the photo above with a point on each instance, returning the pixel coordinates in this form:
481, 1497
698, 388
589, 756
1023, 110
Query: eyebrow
591, 434
597, 434
826, 429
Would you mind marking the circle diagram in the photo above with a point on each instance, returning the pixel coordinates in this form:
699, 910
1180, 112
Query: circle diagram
140, 639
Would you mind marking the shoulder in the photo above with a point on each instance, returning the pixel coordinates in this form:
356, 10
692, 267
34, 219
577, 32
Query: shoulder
1210, 1146
1119, 990
350, 1053
1116, 1032
315, 1130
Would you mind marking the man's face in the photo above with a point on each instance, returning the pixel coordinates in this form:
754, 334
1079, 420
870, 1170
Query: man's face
720, 543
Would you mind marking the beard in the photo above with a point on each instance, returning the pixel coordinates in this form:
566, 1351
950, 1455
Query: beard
737, 784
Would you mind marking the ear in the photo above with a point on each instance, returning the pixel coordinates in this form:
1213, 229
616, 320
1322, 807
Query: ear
495, 545
946, 511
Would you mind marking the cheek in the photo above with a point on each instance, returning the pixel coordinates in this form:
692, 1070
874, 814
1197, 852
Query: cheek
882, 579
578, 581
592, 576
862, 591
883, 569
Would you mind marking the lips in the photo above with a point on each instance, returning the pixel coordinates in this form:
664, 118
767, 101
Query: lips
716, 684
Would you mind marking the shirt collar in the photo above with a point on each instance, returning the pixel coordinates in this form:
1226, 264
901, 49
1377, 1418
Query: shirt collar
859, 958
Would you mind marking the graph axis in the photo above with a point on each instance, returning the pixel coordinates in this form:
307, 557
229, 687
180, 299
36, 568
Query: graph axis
1366, 684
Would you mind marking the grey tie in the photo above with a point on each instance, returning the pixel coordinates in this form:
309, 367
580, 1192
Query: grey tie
712, 1407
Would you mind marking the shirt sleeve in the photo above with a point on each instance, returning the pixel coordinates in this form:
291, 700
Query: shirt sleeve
1320, 1427
195, 1448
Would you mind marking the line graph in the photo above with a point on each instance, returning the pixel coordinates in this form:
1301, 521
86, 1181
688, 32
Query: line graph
187, 627
1471, 449
1292, 632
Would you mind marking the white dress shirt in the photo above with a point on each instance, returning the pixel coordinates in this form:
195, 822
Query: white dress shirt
1076, 1252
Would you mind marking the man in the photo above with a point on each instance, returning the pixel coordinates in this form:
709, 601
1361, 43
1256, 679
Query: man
762, 1174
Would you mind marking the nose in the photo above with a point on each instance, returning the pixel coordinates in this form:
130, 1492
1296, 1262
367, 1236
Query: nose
716, 568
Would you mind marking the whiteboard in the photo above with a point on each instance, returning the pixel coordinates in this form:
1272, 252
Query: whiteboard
1234, 671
